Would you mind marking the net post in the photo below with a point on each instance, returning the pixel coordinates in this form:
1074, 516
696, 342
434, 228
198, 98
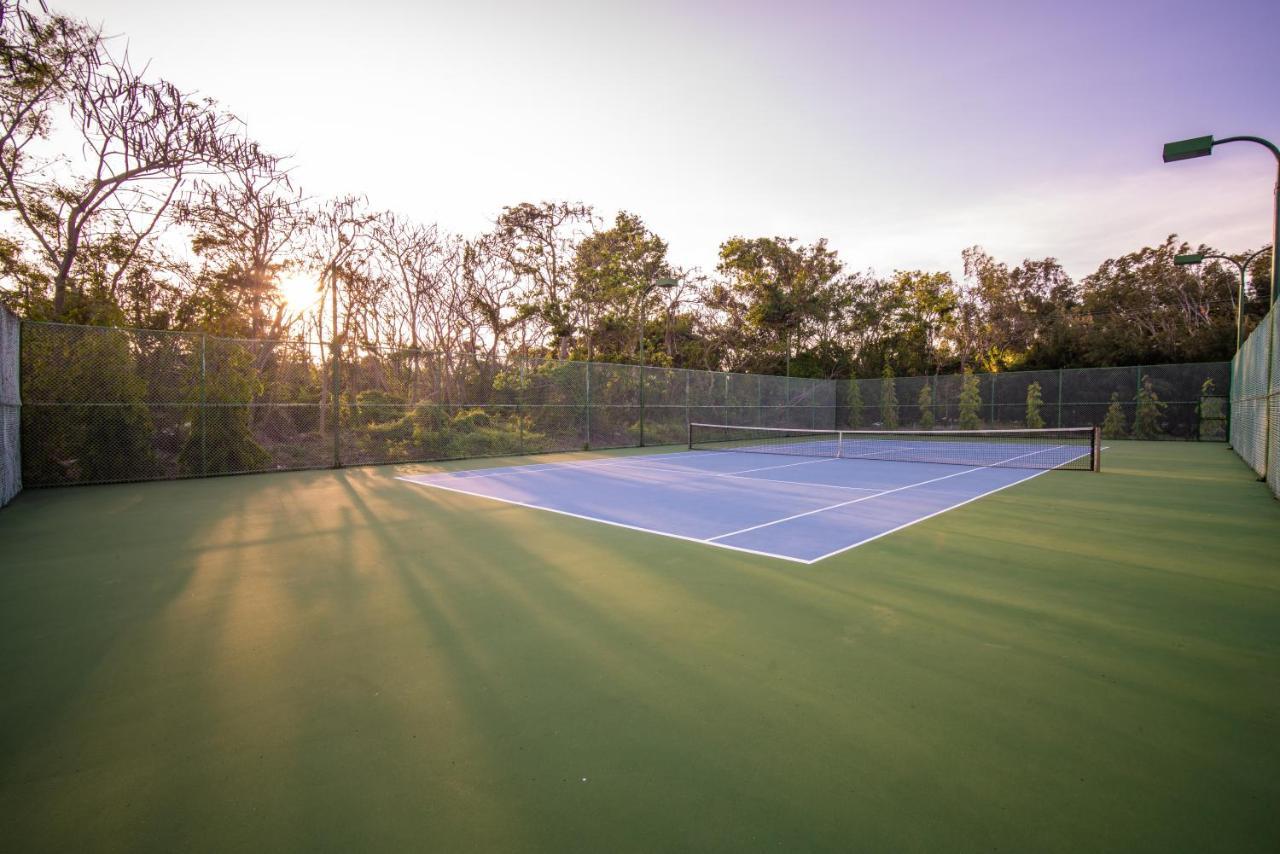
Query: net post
689, 424
1095, 463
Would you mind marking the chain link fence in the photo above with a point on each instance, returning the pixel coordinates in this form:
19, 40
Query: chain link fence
1255, 401
10, 407
102, 404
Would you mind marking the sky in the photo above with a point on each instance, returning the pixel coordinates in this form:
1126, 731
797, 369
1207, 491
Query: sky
902, 132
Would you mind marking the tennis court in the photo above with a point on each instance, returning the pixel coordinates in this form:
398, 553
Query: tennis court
343, 660
744, 489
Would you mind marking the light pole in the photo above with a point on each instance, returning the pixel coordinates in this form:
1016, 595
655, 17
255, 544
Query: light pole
1243, 266
1202, 146
667, 283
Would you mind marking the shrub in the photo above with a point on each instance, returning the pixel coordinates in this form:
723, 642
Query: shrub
1034, 402
888, 400
925, 402
1148, 415
1114, 425
970, 402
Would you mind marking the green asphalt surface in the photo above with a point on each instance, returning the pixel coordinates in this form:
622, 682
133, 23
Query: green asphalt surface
340, 661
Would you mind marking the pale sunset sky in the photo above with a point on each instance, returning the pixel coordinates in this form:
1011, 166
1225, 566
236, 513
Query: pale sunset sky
901, 131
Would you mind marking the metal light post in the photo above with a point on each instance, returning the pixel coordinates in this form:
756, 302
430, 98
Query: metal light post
1199, 257
1202, 146
644, 296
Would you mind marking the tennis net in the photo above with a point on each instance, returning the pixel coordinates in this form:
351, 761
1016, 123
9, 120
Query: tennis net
1061, 448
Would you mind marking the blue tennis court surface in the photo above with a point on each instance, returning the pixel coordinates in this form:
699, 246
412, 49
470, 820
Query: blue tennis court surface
800, 510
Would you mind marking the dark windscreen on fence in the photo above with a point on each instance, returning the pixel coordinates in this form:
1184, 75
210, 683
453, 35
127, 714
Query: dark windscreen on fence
103, 404
1187, 401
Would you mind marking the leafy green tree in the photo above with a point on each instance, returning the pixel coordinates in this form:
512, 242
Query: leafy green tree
780, 290
612, 269
925, 401
1034, 402
1142, 308
1018, 317
1115, 425
1148, 415
853, 404
970, 402
888, 400
538, 243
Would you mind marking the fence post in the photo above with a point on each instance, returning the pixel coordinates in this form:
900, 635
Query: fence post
642, 404
1059, 397
688, 419
336, 404
204, 412
587, 368
524, 360
993, 399
1269, 390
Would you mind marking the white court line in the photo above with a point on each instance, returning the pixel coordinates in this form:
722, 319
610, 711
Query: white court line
604, 521
863, 498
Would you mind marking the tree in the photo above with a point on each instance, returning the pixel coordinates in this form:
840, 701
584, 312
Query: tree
1017, 317
1115, 425
1148, 414
91, 219
612, 269
538, 243
888, 400
853, 403
1034, 402
925, 401
1142, 308
247, 228
780, 289
970, 402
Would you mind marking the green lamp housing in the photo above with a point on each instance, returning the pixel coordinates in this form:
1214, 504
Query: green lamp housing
1186, 260
1188, 149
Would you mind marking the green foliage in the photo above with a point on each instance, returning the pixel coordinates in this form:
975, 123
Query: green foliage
376, 407
1034, 402
1115, 425
888, 400
76, 437
221, 439
854, 404
1148, 416
1211, 412
970, 402
776, 291
925, 401
612, 268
